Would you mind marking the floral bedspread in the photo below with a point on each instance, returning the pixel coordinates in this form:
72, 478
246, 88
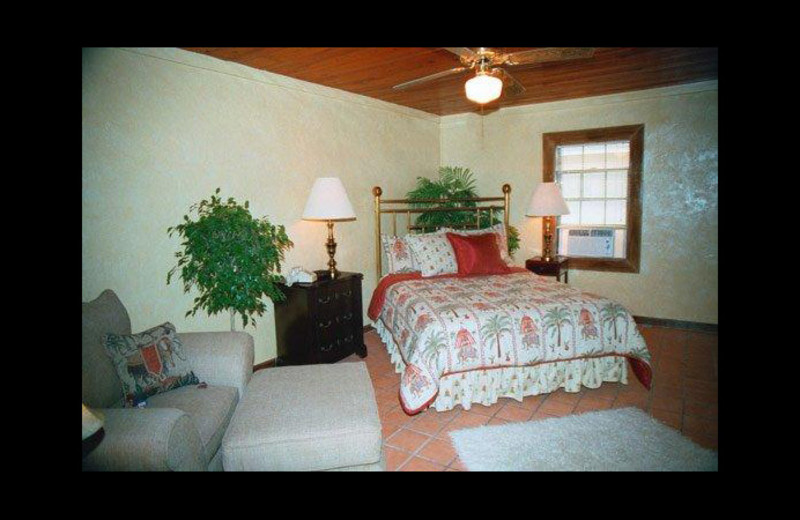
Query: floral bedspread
452, 324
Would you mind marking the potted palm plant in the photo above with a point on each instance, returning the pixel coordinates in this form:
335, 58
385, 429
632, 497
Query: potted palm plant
454, 183
230, 257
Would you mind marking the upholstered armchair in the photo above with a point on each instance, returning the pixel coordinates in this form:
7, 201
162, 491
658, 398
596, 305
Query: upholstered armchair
180, 429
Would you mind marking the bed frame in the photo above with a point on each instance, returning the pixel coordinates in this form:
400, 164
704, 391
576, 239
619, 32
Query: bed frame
409, 207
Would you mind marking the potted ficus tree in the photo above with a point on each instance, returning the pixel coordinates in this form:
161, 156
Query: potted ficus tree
230, 257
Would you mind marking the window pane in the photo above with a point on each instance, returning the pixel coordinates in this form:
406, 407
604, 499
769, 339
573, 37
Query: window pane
616, 212
592, 211
594, 157
594, 185
571, 185
617, 184
618, 155
574, 216
569, 158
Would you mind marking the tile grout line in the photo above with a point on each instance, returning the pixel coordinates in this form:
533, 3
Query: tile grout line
425, 443
417, 452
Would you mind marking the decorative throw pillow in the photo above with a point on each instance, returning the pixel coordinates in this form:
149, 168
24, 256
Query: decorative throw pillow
477, 254
149, 363
502, 240
432, 253
398, 255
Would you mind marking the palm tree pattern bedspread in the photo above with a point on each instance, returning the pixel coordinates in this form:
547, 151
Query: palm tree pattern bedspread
452, 324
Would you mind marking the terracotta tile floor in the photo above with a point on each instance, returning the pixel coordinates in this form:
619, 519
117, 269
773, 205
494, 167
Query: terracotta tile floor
684, 395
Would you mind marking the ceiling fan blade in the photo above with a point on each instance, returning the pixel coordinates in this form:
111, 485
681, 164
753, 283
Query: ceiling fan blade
466, 55
511, 86
546, 54
430, 78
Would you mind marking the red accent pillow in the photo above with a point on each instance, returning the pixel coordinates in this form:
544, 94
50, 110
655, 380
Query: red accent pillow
477, 254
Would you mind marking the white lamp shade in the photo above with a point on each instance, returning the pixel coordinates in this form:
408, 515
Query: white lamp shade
483, 88
328, 201
547, 201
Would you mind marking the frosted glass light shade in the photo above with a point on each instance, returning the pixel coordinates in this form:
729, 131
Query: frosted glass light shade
328, 201
483, 88
547, 201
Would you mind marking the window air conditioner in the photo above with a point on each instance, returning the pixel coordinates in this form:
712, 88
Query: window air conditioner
594, 242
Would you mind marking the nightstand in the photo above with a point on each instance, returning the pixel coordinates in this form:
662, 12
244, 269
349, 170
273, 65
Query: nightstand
558, 266
321, 321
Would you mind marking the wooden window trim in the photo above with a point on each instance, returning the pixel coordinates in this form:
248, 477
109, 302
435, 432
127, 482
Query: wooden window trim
634, 134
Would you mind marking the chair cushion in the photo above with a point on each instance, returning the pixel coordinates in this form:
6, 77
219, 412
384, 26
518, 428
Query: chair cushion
149, 363
100, 385
209, 408
312, 417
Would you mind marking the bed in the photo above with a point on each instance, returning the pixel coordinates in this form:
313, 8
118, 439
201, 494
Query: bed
459, 339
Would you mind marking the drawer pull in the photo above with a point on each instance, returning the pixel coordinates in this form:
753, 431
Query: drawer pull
326, 300
331, 345
346, 294
346, 317
325, 325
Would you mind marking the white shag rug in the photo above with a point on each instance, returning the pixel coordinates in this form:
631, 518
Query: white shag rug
624, 439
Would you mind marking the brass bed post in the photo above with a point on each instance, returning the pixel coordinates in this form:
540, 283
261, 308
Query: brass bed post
377, 192
506, 204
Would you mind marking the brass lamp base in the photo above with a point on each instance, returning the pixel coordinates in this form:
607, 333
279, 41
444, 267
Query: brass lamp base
548, 238
331, 246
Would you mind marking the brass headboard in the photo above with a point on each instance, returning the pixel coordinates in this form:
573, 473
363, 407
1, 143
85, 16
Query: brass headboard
482, 204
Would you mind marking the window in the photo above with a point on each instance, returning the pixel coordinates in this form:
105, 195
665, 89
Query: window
599, 173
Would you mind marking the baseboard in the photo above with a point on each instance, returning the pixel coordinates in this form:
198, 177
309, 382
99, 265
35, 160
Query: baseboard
266, 364
271, 362
678, 324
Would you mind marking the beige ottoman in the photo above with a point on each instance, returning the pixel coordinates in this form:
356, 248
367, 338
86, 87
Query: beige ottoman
301, 418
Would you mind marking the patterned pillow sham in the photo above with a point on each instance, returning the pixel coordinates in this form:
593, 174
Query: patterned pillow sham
502, 240
398, 255
433, 253
149, 363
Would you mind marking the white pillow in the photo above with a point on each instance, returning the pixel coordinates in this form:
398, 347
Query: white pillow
398, 255
432, 253
500, 232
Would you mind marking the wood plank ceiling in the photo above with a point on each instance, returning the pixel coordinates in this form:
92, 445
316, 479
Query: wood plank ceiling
373, 71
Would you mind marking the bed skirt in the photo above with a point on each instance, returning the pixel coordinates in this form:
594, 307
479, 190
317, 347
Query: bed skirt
486, 386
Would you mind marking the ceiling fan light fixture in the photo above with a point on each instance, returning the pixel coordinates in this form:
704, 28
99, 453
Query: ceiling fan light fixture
483, 88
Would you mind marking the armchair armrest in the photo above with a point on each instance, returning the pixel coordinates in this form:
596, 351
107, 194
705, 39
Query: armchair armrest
148, 439
220, 358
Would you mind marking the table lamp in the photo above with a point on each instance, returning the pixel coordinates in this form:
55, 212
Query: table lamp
328, 202
547, 202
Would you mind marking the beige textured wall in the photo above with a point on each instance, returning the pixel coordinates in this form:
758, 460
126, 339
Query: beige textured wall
678, 276
163, 128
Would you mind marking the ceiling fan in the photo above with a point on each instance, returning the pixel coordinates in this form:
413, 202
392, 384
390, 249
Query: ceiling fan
490, 77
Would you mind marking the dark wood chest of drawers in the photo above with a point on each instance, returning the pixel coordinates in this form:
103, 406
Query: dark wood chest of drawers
320, 322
